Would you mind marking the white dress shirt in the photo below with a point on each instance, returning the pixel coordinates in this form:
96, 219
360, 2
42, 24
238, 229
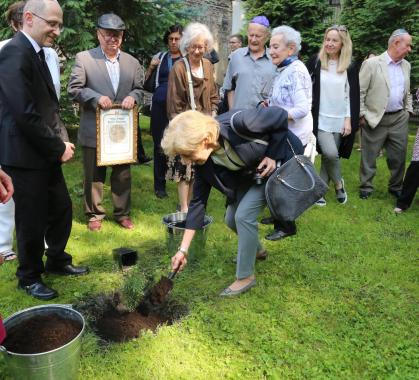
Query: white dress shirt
395, 74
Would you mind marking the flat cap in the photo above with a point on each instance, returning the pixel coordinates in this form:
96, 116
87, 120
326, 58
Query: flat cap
110, 21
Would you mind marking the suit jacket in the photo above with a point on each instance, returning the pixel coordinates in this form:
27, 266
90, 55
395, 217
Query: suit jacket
90, 80
269, 124
347, 142
375, 88
29, 130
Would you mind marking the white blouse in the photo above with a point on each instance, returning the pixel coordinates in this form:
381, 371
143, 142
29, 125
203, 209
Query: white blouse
292, 92
334, 99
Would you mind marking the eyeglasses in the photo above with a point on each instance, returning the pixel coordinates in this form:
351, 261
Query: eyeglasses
109, 35
340, 28
52, 24
199, 47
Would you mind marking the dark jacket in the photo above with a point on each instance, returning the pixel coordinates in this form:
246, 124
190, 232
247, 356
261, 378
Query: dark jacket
268, 124
29, 129
314, 67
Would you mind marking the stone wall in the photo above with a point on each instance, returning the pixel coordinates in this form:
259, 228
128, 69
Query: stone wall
217, 15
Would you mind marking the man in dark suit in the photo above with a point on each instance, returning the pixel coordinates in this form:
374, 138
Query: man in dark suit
31, 150
102, 77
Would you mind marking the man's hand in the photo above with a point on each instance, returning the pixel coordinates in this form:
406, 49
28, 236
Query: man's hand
6, 187
128, 103
178, 262
268, 165
105, 102
68, 153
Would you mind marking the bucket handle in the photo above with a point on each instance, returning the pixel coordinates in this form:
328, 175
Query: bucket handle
3, 349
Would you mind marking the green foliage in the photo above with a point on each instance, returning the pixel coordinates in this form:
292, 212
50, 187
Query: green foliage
371, 22
133, 288
306, 16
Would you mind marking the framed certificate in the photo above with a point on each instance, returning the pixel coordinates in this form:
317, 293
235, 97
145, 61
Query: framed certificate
116, 130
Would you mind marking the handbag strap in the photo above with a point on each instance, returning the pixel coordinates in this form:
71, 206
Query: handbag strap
304, 166
190, 84
259, 141
161, 57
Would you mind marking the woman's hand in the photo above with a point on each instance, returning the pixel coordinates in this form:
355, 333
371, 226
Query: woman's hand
346, 131
178, 261
268, 165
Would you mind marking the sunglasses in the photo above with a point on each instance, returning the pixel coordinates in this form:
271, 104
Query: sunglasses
339, 28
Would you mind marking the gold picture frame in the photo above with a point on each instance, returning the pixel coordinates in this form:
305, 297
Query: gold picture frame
116, 132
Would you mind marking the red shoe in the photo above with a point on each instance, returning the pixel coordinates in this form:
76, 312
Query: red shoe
94, 225
126, 223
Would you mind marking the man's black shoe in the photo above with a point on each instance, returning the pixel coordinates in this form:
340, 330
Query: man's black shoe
39, 290
364, 194
161, 194
396, 193
268, 220
278, 235
68, 270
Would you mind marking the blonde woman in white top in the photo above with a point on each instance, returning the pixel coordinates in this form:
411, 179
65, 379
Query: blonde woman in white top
335, 105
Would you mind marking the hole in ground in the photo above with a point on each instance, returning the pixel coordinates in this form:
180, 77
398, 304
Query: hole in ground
113, 322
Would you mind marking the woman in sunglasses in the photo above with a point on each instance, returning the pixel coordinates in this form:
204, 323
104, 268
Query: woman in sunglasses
335, 107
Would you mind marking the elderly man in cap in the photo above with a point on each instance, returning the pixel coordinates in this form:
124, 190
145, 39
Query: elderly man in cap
385, 106
250, 71
102, 77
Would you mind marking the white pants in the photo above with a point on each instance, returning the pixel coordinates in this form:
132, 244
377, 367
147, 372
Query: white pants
7, 225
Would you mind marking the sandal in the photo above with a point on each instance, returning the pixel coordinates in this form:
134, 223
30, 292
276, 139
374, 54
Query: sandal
8, 255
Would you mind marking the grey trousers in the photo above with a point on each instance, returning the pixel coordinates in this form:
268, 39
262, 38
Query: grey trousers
241, 217
330, 166
392, 134
94, 179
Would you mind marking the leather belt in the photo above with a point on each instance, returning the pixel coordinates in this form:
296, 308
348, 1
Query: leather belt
393, 112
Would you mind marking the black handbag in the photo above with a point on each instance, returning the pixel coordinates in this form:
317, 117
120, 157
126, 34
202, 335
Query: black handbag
293, 188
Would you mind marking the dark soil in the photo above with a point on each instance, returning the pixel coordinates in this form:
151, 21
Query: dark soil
41, 334
119, 327
159, 292
112, 321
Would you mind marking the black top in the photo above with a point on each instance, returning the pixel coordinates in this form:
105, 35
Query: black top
268, 124
314, 67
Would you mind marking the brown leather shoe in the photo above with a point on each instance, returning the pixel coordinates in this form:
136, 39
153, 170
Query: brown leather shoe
94, 225
126, 223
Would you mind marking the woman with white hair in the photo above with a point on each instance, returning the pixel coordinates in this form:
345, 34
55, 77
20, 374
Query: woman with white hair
292, 92
191, 86
335, 105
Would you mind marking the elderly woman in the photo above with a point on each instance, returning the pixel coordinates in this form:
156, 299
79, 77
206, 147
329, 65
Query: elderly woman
335, 105
228, 150
292, 92
197, 93
162, 63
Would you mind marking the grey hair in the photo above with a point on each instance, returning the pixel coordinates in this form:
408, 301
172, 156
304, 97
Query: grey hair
291, 36
397, 33
193, 31
37, 6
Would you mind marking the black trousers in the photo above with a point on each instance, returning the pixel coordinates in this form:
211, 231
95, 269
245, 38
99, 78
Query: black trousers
159, 122
410, 186
43, 210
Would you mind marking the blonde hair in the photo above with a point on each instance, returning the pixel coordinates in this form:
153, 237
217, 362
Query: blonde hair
187, 131
345, 54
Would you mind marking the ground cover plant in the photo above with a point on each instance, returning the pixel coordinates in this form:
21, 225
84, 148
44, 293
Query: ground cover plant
337, 301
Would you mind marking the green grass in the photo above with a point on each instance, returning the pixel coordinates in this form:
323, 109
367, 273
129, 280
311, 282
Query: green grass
337, 301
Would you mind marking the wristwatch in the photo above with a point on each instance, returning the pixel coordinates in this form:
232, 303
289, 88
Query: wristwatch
183, 250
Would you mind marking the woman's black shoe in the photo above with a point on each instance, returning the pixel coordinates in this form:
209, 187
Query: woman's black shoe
161, 194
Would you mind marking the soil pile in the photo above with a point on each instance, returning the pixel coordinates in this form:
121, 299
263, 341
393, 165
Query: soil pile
41, 334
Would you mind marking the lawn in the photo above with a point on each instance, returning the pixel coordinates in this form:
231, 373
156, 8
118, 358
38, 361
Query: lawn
337, 301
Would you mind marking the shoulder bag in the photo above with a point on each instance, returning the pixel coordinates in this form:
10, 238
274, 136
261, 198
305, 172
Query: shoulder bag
152, 82
293, 188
